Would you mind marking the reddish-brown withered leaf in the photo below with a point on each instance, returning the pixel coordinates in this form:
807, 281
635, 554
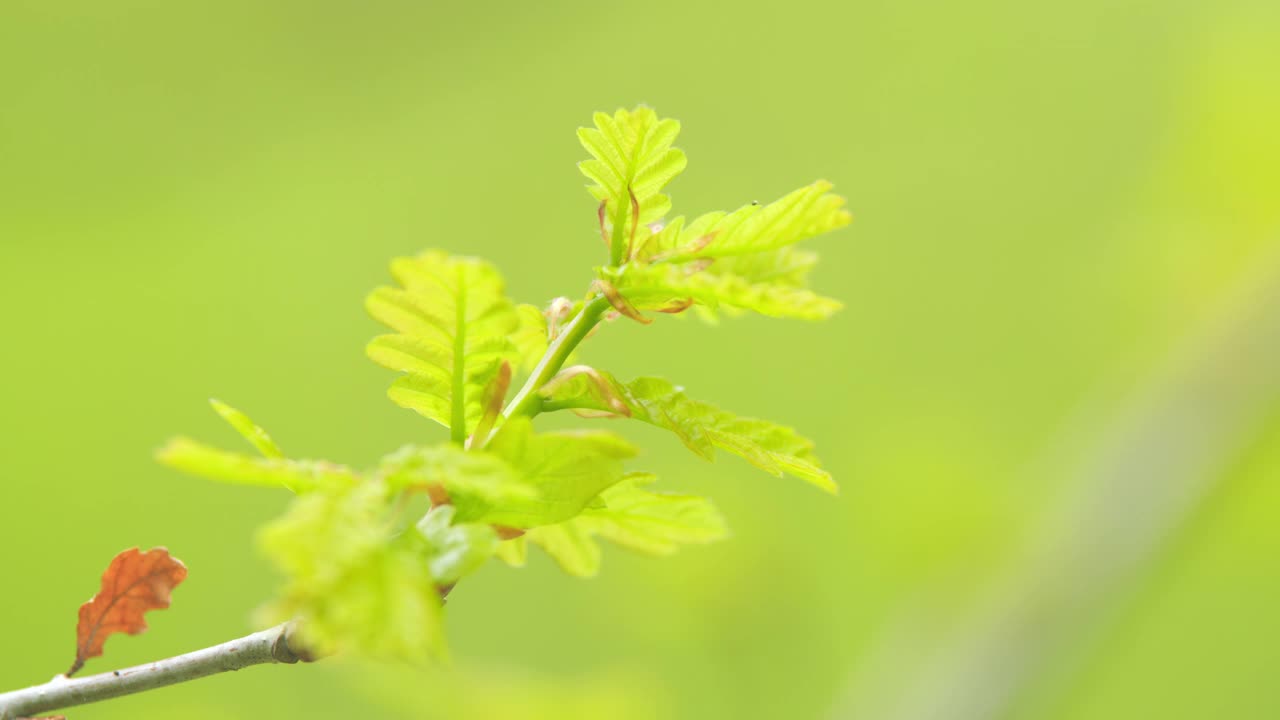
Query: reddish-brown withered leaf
134, 583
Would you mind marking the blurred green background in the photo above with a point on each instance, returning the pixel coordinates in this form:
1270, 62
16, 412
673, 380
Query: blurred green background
1053, 401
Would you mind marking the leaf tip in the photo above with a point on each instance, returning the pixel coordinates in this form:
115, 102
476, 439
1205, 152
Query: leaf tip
824, 482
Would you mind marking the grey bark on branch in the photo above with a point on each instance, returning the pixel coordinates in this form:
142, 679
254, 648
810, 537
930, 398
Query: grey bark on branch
266, 647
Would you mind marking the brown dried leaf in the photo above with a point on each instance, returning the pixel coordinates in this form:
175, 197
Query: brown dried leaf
134, 583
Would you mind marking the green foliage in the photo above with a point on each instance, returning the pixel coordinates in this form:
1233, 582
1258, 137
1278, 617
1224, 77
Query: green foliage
354, 577
567, 470
672, 287
738, 261
474, 482
530, 338
248, 429
634, 517
454, 326
360, 572
300, 476
631, 161
751, 229
700, 426
456, 549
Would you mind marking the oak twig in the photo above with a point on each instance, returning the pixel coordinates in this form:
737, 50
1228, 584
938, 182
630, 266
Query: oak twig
266, 647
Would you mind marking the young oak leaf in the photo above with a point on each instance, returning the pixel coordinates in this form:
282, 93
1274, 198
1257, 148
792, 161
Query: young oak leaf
456, 549
522, 479
531, 337
454, 328
739, 261
566, 471
133, 583
798, 215
248, 429
632, 161
300, 476
471, 482
273, 469
513, 551
352, 579
634, 517
666, 286
702, 427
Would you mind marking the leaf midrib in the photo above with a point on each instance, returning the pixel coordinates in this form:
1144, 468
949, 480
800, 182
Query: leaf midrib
458, 411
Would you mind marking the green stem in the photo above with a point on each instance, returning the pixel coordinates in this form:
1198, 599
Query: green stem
528, 402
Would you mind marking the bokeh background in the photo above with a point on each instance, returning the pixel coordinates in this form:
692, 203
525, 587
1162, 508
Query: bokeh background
1053, 401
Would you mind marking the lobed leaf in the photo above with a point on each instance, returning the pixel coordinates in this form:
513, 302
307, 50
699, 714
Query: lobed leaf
352, 579
531, 337
473, 482
634, 517
513, 551
566, 470
300, 476
134, 583
521, 480
457, 549
702, 427
248, 429
454, 330
671, 287
570, 544
631, 157
737, 262
653, 522
798, 215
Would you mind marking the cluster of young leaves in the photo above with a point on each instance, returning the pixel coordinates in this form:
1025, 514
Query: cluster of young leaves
361, 572
745, 260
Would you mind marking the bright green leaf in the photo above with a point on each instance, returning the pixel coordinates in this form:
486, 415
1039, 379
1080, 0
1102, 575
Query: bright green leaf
299, 476
248, 430
454, 326
667, 287
634, 517
514, 552
475, 482
565, 469
631, 155
735, 262
701, 426
522, 479
799, 215
570, 544
530, 338
351, 580
652, 522
455, 549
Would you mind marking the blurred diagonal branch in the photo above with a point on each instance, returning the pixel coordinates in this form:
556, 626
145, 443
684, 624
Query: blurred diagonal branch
266, 647
1130, 495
